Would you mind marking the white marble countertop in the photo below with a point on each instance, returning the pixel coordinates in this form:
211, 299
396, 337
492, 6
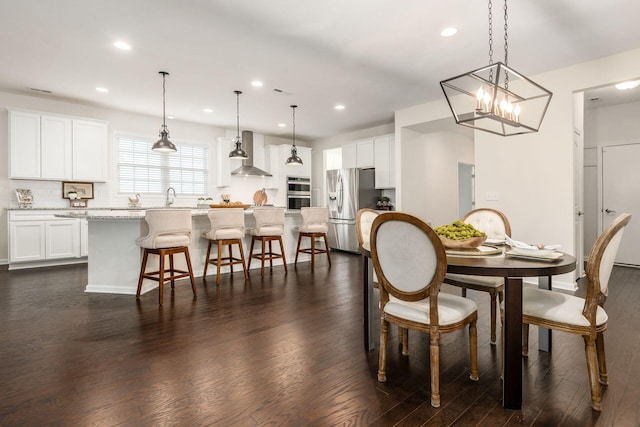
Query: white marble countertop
134, 214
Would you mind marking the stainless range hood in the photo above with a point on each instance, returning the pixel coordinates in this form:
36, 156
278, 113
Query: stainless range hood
247, 168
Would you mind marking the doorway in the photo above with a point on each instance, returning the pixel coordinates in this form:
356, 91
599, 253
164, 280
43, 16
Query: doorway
466, 188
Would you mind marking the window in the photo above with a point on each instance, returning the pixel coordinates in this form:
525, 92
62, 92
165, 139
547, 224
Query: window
141, 170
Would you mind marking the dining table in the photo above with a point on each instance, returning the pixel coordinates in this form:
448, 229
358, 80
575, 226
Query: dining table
513, 269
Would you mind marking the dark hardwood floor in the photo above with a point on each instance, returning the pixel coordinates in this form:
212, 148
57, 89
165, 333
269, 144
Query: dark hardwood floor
279, 351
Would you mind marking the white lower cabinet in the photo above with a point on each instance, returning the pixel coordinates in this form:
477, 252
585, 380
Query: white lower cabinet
38, 238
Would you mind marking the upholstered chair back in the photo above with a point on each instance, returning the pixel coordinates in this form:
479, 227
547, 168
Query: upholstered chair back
167, 228
408, 258
225, 223
314, 220
269, 222
492, 222
603, 255
364, 221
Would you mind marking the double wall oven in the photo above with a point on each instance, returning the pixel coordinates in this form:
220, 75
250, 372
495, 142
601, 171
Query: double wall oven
298, 192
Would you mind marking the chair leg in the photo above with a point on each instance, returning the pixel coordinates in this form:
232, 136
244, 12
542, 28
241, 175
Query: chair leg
171, 271
284, 257
190, 268
206, 260
219, 261
142, 270
435, 369
382, 360
602, 361
230, 246
253, 240
298, 249
525, 339
161, 277
473, 349
494, 311
244, 262
592, 366
262, 259
313, 251
326, 248
404, 340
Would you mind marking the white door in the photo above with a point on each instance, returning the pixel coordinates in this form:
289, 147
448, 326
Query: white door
620, 190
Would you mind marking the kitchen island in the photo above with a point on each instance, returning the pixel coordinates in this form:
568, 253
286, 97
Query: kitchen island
114, 258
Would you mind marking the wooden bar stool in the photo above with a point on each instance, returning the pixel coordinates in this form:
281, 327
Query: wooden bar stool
315, 225
269, 227
227, 229
169, 234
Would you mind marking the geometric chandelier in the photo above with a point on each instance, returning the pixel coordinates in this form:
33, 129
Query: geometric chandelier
496, 98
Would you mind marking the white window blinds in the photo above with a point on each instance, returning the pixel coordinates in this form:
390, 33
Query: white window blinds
141, 170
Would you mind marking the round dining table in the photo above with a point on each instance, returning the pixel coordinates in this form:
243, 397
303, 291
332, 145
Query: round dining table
513, 269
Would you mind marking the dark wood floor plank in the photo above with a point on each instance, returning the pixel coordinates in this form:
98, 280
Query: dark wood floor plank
283, 350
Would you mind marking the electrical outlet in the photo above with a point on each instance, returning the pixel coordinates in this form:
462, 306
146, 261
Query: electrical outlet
492, 196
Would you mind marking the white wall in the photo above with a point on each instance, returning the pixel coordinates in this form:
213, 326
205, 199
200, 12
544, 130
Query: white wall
533, 174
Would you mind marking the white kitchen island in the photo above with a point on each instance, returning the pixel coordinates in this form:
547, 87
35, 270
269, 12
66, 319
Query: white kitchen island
114, 258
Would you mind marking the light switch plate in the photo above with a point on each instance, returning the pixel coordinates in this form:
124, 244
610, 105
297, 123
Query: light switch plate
492, 196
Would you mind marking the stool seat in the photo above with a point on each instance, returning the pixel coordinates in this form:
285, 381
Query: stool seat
169, 234
226, 229
315, 225
269, 227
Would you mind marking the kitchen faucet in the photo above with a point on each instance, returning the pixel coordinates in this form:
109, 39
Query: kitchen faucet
169, 202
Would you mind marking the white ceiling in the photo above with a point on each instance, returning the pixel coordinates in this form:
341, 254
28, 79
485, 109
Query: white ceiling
374, 56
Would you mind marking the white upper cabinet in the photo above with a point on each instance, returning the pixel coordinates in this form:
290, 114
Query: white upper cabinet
52, 147
384, 154
223, 172
24, 145
90, 156
349, 156
364, 153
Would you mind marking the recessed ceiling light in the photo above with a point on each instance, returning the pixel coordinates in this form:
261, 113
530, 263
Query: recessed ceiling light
122, 45
256, 83
282, 125
448, 32
102, 89
628, 85
170, 117
208, 110
339, 107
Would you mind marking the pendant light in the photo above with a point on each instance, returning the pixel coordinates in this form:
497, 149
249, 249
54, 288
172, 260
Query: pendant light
496, 98
238, 152
163, 145
294, 160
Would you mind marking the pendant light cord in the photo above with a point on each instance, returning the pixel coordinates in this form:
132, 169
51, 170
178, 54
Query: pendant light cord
238, 115
293, 107
164, 115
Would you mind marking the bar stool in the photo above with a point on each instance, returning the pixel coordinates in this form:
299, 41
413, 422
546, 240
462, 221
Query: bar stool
315, 225
169, 234
269, 227
227, 228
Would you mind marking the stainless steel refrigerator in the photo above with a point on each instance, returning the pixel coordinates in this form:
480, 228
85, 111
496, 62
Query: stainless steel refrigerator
348, 190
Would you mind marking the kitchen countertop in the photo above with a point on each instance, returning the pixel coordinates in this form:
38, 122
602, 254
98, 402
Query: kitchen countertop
129, 214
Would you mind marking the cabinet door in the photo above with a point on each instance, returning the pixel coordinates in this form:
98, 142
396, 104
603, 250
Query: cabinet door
364, 153
26, 241
305, 155
392, 161
63, 239
89, 150
55, 146
381, 161
349, 156
24, 145
84, 237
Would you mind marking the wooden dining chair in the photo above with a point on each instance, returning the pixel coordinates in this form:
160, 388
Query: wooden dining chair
411, 263
582, 316
496, 226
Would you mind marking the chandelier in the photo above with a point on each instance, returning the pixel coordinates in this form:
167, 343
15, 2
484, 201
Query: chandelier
496, 98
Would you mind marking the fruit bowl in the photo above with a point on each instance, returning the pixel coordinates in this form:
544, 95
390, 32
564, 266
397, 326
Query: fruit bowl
470, 243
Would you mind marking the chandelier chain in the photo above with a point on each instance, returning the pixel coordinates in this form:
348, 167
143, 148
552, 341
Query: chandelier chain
506, 47
490, 34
